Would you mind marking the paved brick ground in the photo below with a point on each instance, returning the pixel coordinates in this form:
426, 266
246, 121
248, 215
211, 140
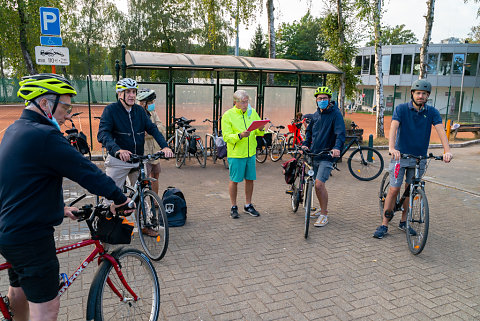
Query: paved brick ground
262, 268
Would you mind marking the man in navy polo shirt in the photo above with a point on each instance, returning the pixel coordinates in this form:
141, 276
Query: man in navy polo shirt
410, 134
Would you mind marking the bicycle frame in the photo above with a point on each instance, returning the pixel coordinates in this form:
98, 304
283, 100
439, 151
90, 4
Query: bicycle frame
416, 183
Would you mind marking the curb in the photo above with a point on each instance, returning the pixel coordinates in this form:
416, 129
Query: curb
431, 146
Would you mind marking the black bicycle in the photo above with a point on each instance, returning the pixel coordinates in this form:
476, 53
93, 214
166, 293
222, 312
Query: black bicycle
418, 214
185, 143
364, 163
211, 145
150, 214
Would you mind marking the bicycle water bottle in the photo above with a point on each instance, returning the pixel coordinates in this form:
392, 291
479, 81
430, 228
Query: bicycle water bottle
397, 170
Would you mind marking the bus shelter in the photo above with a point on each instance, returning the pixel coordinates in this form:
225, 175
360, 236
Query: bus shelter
200, 100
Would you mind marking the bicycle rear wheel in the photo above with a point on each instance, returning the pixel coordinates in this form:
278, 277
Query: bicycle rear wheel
278, 148
417, 222
181, 153
152, 225
112, 301
383, 192
365, 168
308, 205
261, 154
291, 143
201, 153
212, 148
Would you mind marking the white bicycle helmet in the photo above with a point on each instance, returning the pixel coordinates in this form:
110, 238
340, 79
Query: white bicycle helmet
126, 83
146, 95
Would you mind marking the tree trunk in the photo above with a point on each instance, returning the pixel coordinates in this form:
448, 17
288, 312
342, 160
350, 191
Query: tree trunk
341, 93
378, 69
426, 38
93, 6
271, 36
27, 57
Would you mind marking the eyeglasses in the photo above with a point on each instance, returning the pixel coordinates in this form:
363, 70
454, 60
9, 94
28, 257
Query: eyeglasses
68, 107
322, 98
243, 101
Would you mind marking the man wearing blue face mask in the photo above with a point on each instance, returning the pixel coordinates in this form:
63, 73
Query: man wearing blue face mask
326, 131
146, 99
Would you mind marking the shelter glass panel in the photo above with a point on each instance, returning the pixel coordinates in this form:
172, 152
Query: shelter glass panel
445, 66
308, 101
407, 64
160, 101
279, 104
458, 60
395, 63
195, 102
416, 64
471, 67
432, 62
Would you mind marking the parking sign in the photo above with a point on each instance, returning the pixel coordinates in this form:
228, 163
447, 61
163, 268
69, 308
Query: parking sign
50, 21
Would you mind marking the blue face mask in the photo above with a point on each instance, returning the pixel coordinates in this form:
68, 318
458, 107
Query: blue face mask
151, 107
322, 104
249, 110
54, 122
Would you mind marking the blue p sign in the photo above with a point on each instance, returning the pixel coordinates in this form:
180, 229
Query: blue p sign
50, 21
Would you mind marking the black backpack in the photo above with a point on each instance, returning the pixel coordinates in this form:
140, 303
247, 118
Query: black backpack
289, 170
175, 206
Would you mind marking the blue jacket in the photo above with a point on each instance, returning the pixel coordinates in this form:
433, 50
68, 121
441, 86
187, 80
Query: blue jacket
326, 131
34, 159
120, 129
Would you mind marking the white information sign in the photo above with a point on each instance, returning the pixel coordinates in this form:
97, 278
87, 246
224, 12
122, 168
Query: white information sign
52, 56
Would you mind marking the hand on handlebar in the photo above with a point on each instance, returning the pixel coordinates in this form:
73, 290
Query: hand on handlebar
68, 212
447, 157
167, 152
395, 153
124, 207
123, 155
335, 153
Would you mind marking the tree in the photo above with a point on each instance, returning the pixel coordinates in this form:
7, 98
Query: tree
258, 48
426, 38
372, 12
475, 35
271, 35
397, 35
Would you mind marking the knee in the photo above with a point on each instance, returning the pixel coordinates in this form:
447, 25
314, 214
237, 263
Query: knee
319, 185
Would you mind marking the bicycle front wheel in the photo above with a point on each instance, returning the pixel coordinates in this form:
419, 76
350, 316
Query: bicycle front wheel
212, 147
201, 154
152, 225
417, 222
110, 297
278, 148
296, 196
365, 163
383, 192
308, 205
181, 153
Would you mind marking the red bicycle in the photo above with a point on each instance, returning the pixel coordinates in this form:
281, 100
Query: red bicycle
295, 133
126, 285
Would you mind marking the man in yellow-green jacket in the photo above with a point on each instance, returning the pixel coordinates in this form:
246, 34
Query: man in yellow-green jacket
241, 148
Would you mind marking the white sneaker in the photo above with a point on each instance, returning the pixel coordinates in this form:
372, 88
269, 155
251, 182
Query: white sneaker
322, 221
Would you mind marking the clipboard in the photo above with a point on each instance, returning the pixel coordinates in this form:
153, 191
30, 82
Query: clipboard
257, 124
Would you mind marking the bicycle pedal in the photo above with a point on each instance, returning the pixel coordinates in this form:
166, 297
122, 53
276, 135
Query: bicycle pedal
290, 192
313, 209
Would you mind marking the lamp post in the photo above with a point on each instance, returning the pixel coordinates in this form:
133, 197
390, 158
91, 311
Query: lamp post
461, 91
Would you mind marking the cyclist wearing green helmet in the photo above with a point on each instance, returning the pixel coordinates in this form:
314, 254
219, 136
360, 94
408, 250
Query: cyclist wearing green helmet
410, 134
34, 159
326, 131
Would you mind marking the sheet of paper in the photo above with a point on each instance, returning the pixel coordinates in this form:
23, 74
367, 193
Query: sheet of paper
257, 124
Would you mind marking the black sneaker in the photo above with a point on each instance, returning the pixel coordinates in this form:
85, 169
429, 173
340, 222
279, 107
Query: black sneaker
234, 212
251, 210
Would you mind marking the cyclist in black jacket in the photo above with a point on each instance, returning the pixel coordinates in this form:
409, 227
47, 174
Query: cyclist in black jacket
34, 159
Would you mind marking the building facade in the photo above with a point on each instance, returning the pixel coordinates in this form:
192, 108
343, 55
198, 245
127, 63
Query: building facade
451, 69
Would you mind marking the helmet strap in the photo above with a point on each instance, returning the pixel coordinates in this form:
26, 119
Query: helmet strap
50, 114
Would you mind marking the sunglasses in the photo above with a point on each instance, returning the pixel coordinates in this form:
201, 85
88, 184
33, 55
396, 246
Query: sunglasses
68, 107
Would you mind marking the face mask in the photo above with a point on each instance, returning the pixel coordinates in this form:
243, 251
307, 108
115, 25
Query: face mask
249, 110
322, 104
151, 107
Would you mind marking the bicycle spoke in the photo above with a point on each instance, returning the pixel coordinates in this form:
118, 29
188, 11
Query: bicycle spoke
365, 163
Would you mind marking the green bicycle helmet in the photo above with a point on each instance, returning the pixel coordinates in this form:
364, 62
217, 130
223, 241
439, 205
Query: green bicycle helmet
323, 90
35, 86
126, 83
421, 84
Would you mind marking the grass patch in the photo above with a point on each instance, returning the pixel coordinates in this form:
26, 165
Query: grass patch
380, 141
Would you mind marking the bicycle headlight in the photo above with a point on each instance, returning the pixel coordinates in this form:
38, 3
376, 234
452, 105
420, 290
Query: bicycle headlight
310, 172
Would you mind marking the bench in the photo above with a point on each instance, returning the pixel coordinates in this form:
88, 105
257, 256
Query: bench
473, 128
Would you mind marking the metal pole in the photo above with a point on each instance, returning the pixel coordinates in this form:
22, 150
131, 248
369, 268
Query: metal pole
435, 100
124, 64
237, 24
471, 102
394, 92
461, 94
89, 115
298, 101
235, 80
448, 104
117, 69
260, 96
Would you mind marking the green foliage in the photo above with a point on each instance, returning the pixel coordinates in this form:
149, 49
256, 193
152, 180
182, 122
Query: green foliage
397, 35
258, 47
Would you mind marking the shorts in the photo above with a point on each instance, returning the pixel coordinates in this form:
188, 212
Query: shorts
242, 168
322, 170
406, 165
35, 268
149, 167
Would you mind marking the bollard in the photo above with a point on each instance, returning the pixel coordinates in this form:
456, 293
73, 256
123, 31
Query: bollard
449, 128
370, 144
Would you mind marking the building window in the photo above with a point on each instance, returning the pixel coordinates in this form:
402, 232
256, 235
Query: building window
386, 64
366, 65
458, 60
445, 64
358, 65
395, 63
472, 59
416, 64
372, 65
407, 64
432, 61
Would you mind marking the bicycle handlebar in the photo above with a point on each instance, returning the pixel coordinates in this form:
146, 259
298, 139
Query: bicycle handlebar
134, 158
421, 157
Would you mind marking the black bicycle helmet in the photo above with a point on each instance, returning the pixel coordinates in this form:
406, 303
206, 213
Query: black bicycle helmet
421, 84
